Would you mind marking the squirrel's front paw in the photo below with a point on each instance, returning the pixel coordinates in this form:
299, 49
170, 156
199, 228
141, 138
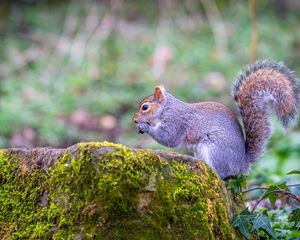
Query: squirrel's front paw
142, 127
140, 131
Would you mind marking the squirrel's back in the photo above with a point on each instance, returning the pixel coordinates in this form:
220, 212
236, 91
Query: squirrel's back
260, 84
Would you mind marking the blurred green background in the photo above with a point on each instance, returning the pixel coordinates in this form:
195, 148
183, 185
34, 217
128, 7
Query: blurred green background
74, 71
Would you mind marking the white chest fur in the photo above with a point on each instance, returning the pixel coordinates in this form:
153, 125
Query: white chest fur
201, 151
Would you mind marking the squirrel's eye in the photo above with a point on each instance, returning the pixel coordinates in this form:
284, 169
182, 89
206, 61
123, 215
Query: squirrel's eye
145, 107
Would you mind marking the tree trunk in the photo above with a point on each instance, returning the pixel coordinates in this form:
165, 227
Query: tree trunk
108, 191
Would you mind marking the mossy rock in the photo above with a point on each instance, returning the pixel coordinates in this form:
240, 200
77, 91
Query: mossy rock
108, 191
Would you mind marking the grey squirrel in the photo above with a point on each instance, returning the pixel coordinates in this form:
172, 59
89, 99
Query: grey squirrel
211, 131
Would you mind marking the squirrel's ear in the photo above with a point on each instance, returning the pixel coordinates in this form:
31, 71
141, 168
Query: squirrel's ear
159, 94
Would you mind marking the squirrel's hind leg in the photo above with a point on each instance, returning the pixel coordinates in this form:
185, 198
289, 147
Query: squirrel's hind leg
226, 162
229, 162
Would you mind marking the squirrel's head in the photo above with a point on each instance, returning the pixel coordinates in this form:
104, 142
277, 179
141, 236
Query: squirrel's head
149, 107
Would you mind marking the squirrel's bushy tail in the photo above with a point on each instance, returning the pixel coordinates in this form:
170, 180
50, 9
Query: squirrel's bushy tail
260, 84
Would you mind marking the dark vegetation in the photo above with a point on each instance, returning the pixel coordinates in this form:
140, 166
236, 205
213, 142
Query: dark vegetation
74, 71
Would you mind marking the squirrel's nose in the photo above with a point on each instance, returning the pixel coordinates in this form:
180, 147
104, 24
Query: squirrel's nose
135, 119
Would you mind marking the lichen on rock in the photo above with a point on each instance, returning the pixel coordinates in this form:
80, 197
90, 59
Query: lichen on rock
108, 191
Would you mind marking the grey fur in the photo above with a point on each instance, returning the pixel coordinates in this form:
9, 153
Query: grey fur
217, 136
259, 103
217, 130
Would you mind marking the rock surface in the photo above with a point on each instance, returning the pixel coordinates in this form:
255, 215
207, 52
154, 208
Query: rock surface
108, 191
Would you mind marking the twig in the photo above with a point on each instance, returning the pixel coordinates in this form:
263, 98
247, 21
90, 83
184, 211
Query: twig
281, 191
265, 188
294, 185
253, 189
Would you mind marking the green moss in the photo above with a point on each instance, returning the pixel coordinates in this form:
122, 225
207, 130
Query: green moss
18, 195
108, 191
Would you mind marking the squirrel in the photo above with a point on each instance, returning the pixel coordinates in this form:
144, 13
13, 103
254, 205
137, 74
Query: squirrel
212, 131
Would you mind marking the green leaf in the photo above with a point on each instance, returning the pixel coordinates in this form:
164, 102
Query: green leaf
283, 186
242, 222
272, 196
294, 217
295, 234
268, 191
237, 184
261, 221
294, 172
